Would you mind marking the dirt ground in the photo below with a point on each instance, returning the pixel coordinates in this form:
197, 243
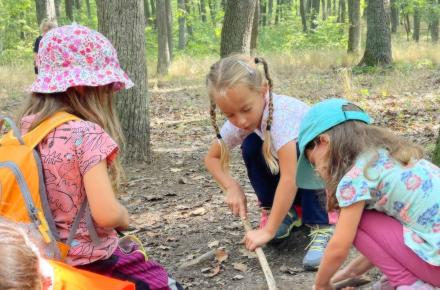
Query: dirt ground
177, 209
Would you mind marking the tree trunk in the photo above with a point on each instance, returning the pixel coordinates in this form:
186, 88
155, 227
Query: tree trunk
169, 27
394, 16
270, 12
314, 15
153, 14
212, 10
329, 8
278, 12
147, 12
378, 44
182, 15
237, 27
203, 10
255, 22
78, 4
323, 10
434, 22
58, 8
341, 13
188, 17
69, 9
436, 155
416, 32
302, 11
263, 12
164, 58
354, 28
45, 9
125, 29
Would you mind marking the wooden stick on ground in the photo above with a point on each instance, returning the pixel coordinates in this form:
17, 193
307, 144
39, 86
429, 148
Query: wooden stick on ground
352, 282
262, 259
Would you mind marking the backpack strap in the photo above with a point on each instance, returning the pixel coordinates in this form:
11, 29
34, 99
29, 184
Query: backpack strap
15, 131
83, 210
35, 136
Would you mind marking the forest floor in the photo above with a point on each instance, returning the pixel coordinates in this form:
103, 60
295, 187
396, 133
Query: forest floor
177, 209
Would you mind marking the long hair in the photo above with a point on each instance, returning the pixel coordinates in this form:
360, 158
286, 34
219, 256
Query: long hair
350, 139
94, 104
239, 69
19, 268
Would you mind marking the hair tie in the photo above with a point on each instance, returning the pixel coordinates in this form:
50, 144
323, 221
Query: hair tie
257, 60
268, 128
219, 136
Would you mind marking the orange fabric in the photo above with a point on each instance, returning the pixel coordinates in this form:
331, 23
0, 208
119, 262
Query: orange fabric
70, 278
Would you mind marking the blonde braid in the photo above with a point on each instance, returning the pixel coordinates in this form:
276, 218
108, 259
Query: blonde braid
270, 159
224, 152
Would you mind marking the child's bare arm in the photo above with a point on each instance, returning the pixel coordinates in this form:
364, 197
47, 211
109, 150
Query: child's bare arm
105, 208
235, 197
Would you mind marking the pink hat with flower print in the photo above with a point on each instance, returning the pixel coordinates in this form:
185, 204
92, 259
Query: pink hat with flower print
74, 55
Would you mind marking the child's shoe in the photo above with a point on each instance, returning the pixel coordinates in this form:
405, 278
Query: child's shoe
320, 235
290, 221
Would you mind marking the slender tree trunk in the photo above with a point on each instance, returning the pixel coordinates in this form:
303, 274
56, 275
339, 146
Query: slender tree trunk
169, 27
182, 15
203, 10
341, 13
324, 10
125, 29
237, 27
164, 58
263, 12
153, 13
378, 43
69, 9
394, 16
188, 17
354, 28
434, 22
416, 32
314, 15
278, 12
329, 7
213, 10
335, 6
254, 34
302, 11
78, 4
270, 12
58, 8
147, 12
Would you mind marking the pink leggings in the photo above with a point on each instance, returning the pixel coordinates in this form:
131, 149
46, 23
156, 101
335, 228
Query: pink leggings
380, 238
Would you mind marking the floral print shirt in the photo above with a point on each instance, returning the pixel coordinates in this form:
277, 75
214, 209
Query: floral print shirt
411, 194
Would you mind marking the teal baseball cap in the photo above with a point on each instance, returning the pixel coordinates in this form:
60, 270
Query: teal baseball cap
320, 118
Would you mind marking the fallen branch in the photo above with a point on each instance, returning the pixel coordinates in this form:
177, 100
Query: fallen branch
262, 259
205, 257
352, 282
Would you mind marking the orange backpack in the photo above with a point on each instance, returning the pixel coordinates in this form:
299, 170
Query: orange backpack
23, 197
69, 278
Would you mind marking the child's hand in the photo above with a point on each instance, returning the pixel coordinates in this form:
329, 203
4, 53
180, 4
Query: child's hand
236, 201
257, 238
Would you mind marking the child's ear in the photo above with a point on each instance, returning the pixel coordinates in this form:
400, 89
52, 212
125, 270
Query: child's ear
264, 89
324, 139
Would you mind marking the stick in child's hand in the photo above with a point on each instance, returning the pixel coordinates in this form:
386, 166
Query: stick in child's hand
262, 259
352, 282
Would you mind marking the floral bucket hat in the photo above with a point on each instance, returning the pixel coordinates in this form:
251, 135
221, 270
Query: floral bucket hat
74, 55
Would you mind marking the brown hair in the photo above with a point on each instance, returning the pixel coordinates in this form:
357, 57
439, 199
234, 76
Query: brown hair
239, 69
19, 269
94, 104
350, 139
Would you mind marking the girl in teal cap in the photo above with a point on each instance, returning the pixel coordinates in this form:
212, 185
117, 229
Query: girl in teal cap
387, 196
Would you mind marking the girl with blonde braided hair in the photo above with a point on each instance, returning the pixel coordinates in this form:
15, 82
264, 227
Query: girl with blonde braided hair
266, 126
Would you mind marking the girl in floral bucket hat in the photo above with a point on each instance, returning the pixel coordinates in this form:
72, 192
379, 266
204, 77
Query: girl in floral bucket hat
79, 73
387, 197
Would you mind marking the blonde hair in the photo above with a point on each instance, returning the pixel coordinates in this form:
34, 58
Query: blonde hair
239, 69
20, 266
94, 104
350, 139
46, 23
